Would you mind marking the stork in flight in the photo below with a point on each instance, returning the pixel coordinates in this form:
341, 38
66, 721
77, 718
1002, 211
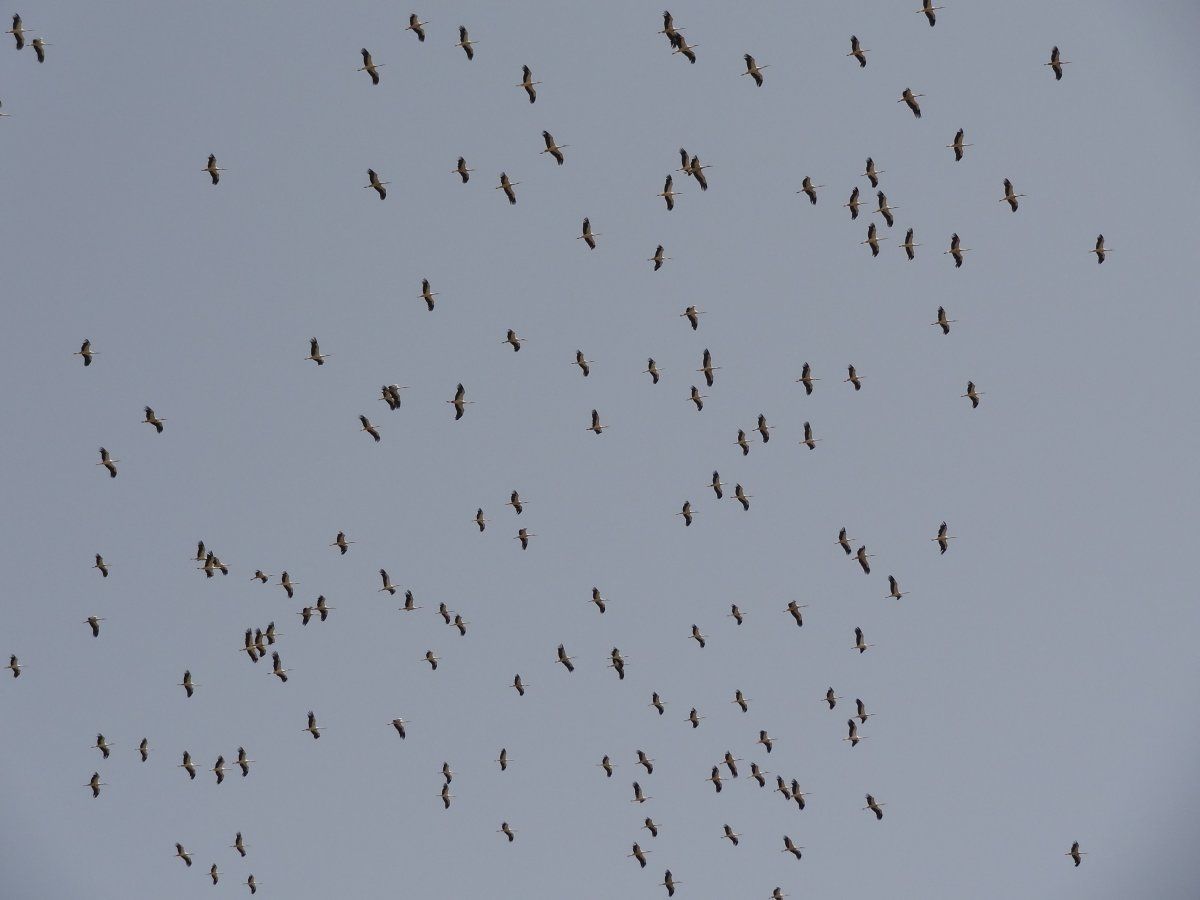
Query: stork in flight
1100, 250
928, 8
1010, 195
669, 194
853, 204
527, 83
843, 541
681, 47
809, 189
809, 441
872, 173
908, 246
658, 258
108, 462
973, 395
369, 66
507, 186
416, 26
460, 402
956, 250
369, 429
587, 235
894, 591
86, 352
852, 735
314, 352
958, 145
17, 31
862, 556
1056, 63
806, 377
1075, 853
152, 419
860, 643
596, 427
942, 322
462, 171
753, 69
376, 184
707, 367
555, 150
883, 208
910, 98
857, 51
687, 513
873, 239
212, 169
468, 45
943, 537
692, 314
853, 377
875, 807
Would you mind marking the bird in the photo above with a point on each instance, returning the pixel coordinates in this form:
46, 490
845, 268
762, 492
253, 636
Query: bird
260, 575
108, 462
852, 736
692, 314
844, 541
1100, 250
183, 854
607, 765
39, 48
860, 643
681, 46
468, 46
657, 702
793, 608
552, 148
763, 428
219, 769
853, 203
152, 419
958, 145
639, 854
462, 171
810, 190
243, 762
502, 759
1010, 197
143, 749
857, 51
95, 783
928, 8
942, 322
314, 352
669, 193
884, 209
894, 588
742, 442
778, 894
1056, 63
416, 26
694, 718
369, 429
758, 774
426, 294
831, 698
369, 66
447, 773
103, 746
943, 537
789, 846
767, 742
707, 367
17, 31
432, 659
214, 874
973, 395
101, 565
806, 378
652, 370
687, 513
862, 556
251, 883
400, 726
853, 377
461, 624
669, 883
736, 613
596, 427
753, 69
527, 83
523, 535
645, 762
716, 485
669, 27
187, 684
872, 173
862, 713
639, 796
587, 236
285, 582
341, 543
1075, 853
460, 402
507, 831
86, 352
740, 495
313, 728
809, 441
731, 763
444, 612
480, 520
741, 700
562, 658
658, 258
697, 171
598, 600
956, 250
697, 636
507, 186
277, 668
731, 835
873, 239
239, 845
910, 98
187, 765
514, 500
376, 184
875, 807
585, 365
697, 398
212, 169
685, 162
715, 778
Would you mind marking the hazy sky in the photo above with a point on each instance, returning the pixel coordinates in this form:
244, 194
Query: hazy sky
1038, 685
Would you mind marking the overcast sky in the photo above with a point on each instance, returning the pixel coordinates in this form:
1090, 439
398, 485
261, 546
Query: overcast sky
1036, 687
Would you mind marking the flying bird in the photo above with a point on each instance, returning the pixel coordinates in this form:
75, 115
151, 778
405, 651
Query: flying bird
426, 294
314, 352
639, 796
740, 699
596, 427
715, 778
562, 658
1075, 853
707, 367
523, 535
527, 83
507, 831
658, 258
697, 171
928, 8
697, 636
754, 70
693, 316
1056, 63
853, 204
669, 883
652, 370
313, 728
669, 193
767, 742
187, 765
101, 565
1100, 250
598, 600
277, 668
94, 623
742, 442
908, 246
459, 402
462, 171
285, 582
152, 419
416, 26
910, 98
694, 718
587, 236
341, 543
875, 807
853, 377
183, 854
212, 169
507, 186
376, 184
793, 609
17, 31
39, 48
872, 173
973, 395
468, 46
806, 377
369, 429
369, 66
639, 854
958, 145
860, 643
697, 398
736, 613
239, 845
809, 189
716, 485
831, 698
686, 512
789, 846
14, 665
956, 250
809, 441
894, 591
884, 209
552, 148
740, 495
857, 51
108, 462
187, 684
862, 556
731, 835
873, 239
843, 541
681, 46
1010, 195
86, 352
480, 520
852, 733
657, 702
862, 713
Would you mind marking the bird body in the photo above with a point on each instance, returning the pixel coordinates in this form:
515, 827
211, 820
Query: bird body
753, 69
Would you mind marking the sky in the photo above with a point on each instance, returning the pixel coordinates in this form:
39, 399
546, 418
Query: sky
1037, 685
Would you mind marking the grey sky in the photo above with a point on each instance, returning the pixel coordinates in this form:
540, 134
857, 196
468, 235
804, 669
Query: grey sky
1038, 685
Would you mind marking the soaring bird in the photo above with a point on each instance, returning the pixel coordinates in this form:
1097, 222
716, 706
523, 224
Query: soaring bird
183, 854
715, 777
806, 379
527, 83
943, 537
908, 246
809, 441
607, 765
862, 713
860, 643
958, 145
793, 609
758, 774
212, 169
736, 613
219, 769
928, 8
862, 556
587, 235
143, 749
152, 419
669, 882
875, 807
857, 51
681, 46
86, 352
669, 27
1075, 853
341, 543
1056, 63
831, 698
14, 665
523, 535
243, 762
652, 370
39, 48
507, 186
645, 762
657, 702
686, 512
731, 835
852, 733
809, 189
740, 495
552, 148
187, 684
313, 728
376, 184
387, 583
1010, 195
872, 173
564, 659
707, 367
239, 845
873, 239
400, 726
789, 846
742, 442
911, 99
596, 427
669, 193
943, 322
685, 162
658, 258
462, 171
95, 783
409, 603
465, 42
697, 636
187, 765
1100, 249
369, 428
844, 540
697, 397
416, 26
740, 699
598, 600
639, 796
853, 204
480, 520
894, 591
108, 462
507, 831
514, 500
251, 883
692, 314
94, 623
697, 171
502, 759
285, 582
446, 796
427, 294
277, 668
214, 874
459, 402
753, 69
766, 740
369, 66
17, 31
639, 854
314, 352
973, 395
694, 718
716, 485
853, 377
101, 565
956, 250
883, 208
731, 763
